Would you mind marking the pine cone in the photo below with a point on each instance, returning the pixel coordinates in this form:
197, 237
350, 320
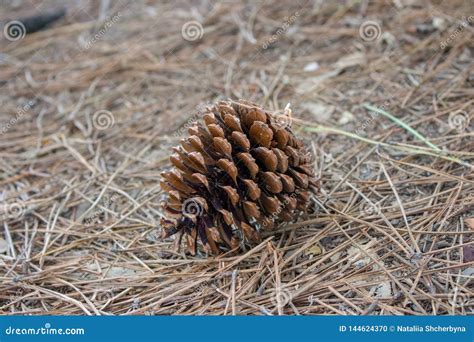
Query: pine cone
238, 173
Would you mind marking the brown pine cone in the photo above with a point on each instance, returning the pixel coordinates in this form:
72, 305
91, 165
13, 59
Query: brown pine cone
239, 172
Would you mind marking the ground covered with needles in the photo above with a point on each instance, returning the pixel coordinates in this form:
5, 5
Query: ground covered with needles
381, 92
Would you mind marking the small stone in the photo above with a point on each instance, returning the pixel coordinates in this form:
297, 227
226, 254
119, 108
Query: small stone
310, 67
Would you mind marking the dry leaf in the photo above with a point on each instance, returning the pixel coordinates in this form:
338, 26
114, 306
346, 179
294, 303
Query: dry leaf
315, 250
361, 259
